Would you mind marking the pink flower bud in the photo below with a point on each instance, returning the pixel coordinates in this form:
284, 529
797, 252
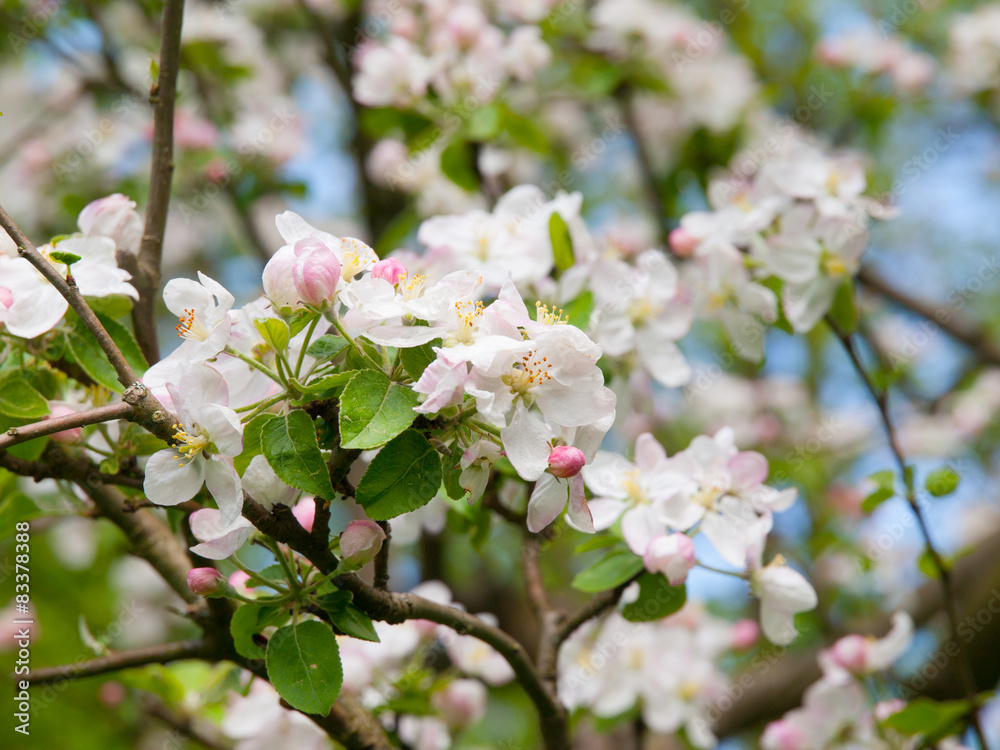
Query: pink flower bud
57, 409
672, 555
305, 512
6, 297
206, 581
389, 269
115, 217
361, 541
783, 735
682, 242
111, 693
745, 634
850, 653
316, 272
566, 461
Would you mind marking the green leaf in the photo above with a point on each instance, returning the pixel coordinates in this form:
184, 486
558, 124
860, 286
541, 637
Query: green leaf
458, 165
274, 331
875, 499
483, 123
562, 243
19, 399
303, 664
579, 310
885, 484
942, 481
300, 320
326, 347
125, 341
248, 621
84, 350
927, 565
251, 441
373, 410
657, 599
63, 257
928, 717
844, 311
291, 449
416, 358
524, 131
404, 476
600, 541
611, 570
325, 386
347, 618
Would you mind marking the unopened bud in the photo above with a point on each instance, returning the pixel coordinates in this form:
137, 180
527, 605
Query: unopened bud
783, 735
850, 653
566, 461
390, 270
63, 410
316, 272
361, 541
682, 242
206, 582
745, 634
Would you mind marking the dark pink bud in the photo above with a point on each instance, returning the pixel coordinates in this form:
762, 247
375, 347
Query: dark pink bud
389, 269
566, 461
682, 242
206, 581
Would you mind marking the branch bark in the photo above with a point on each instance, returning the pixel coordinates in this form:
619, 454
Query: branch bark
16, 435
151, 538
161, 97
159, 654
280, 524
949, 320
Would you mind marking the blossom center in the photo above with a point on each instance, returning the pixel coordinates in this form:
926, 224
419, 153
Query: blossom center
468, 320
190, 444
526, 375
549, 316
191, 326
412, 287
633, 487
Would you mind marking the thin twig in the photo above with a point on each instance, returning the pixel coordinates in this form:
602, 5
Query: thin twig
881, 398
159, 654
651, 184
162, 97
16, 435
55, 463
949, 320
147, 410
382, 558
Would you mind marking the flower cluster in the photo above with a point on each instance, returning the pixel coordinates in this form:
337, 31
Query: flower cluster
452, 49
833, 711
800, 215
873, 53
665, 669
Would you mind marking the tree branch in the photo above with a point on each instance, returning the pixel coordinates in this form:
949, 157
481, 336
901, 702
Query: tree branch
151, 538
281, 525
881, 398
16, 435
161, 97
949, 320
382, 558
147, 410
159, 654
651, 184
55, 463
